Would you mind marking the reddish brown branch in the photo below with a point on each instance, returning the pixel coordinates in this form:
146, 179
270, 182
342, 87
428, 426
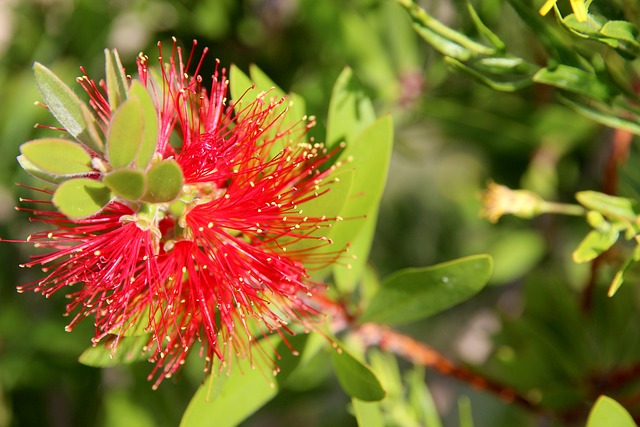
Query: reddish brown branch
418, 353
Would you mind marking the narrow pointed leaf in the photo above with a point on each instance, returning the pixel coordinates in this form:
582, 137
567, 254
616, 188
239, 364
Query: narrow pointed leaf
67, 108
416, 293
125, 134
164, 182
574, 80
150, 138
128, 183
57, 156
129, 350
81, 197
608, 412
356, 379
116, 79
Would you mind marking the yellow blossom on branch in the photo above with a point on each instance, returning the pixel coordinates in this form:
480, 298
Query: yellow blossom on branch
579, 8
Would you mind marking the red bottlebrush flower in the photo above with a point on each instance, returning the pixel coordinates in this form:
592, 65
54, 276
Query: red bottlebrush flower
202, 239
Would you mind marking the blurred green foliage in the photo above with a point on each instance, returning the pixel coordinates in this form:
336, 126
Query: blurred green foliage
452, 135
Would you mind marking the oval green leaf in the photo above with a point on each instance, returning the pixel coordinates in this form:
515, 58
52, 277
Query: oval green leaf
129, 350
356, 379
416, 293
57, 156
67, 108
150, 138
608, 412
128, 183
125, 134
164, 182
33, 170
82, 197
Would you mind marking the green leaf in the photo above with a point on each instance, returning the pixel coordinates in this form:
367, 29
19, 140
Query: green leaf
240, 86
448, 41
464, 412
150, 115
618, 279
574, 80
350, 110
603, 114
421, 399
125, 134
245, 90
595, 243
330, 205
164, 182
607, 412
357, 256
368, 154
116, 79
33, 170
511, 84
484, 31
231, 396
621, 30
127, 183
443, 45
67, 108
368, 414
81, 197
356, 379
416, 293
612, 207
128, 350
57, 156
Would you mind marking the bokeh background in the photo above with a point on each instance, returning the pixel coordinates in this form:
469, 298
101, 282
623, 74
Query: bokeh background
452, 136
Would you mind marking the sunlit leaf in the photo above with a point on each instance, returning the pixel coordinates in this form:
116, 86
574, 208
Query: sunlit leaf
128, 183
610, 206
35, 171
57, 156
164, 182
128, 350
595, 243
330, 205
350, 110
116, 79
126, 133
81, 197
368, 414
231, 396
416, 293
608, 412
484, 31
574, 80
67, 108
356, 379
368, 154
150, 118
